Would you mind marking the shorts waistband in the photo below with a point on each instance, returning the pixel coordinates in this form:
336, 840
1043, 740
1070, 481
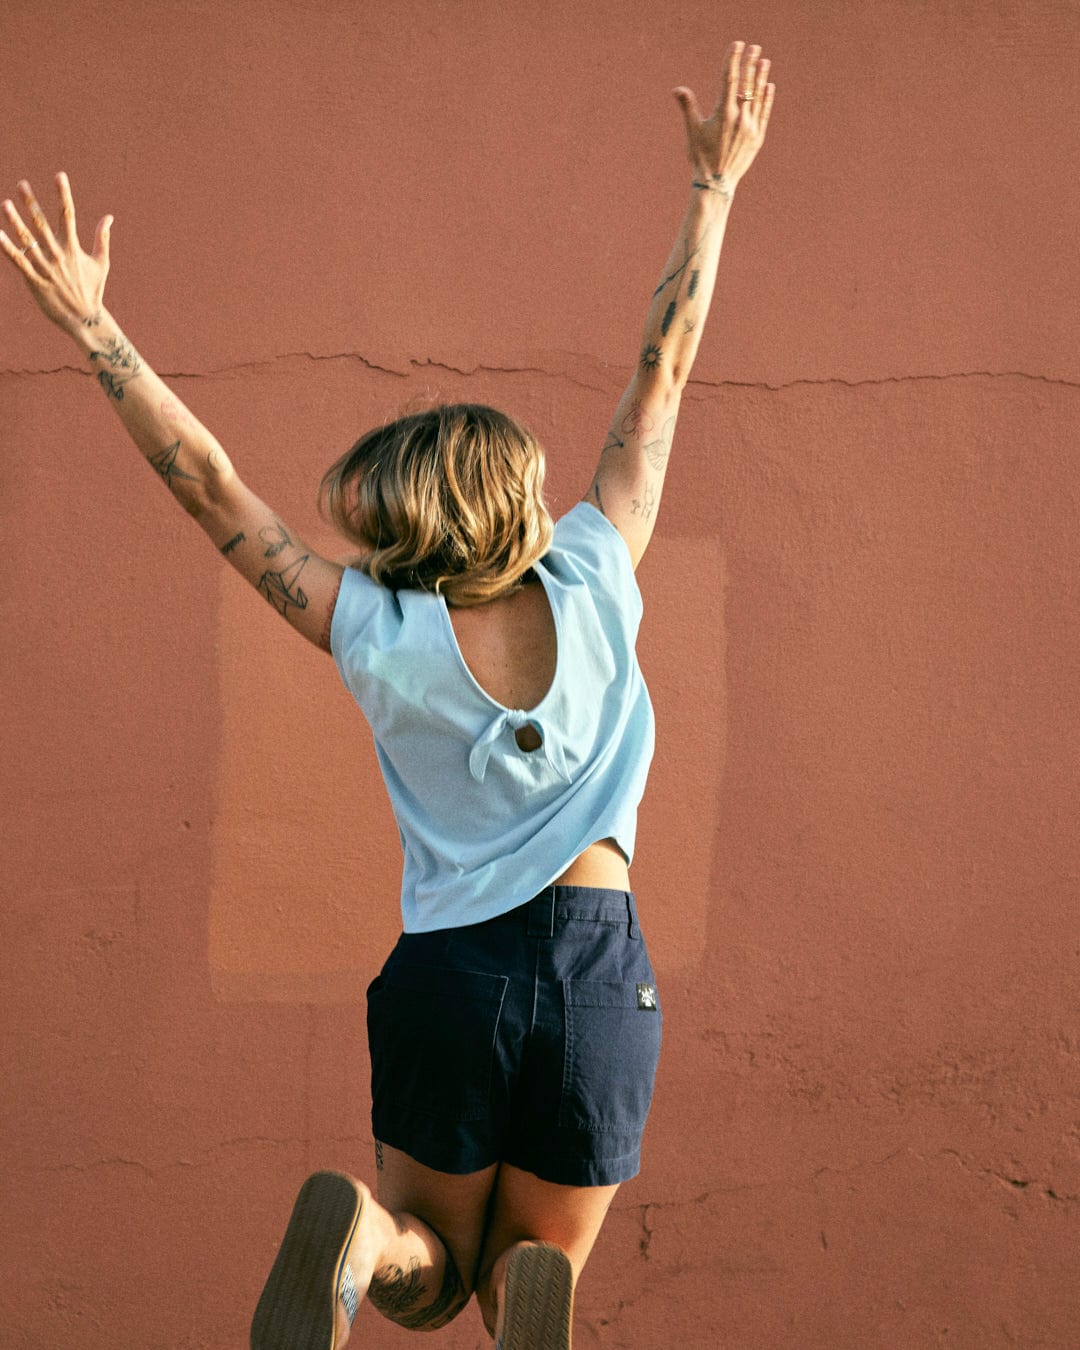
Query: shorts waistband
589, 904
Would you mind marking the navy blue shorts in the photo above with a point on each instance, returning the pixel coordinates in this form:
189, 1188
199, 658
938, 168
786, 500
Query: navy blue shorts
531, 1039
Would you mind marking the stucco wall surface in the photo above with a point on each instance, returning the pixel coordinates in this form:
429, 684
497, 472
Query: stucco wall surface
858, 863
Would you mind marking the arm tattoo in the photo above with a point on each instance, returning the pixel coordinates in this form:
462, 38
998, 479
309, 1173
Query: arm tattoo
165, 462
121, 356
113, 387
647, 505
650, 357
276, 538
659, 449
281, 588
676, 276
236, 539
636, 422
175, 411
596, 494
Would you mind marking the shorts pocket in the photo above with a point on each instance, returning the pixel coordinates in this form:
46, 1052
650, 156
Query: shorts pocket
612, 1048
431, 1033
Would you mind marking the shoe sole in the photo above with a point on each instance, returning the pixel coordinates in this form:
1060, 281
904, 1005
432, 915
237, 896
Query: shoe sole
298, 1306
539, 1300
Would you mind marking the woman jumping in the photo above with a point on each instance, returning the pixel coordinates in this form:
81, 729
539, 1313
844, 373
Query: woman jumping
515, 1027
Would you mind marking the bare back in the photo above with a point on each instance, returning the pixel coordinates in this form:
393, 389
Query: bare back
511, 650
509, 646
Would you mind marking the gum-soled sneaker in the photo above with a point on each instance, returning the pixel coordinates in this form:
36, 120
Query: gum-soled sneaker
539, 1300
298, 1306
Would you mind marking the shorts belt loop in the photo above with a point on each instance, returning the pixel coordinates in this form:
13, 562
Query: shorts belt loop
542, 914
632, 930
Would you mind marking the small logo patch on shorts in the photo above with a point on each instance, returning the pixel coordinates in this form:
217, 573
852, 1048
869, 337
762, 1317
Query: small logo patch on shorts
646, 997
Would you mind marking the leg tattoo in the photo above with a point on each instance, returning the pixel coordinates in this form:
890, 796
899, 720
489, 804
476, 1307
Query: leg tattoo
402, 1296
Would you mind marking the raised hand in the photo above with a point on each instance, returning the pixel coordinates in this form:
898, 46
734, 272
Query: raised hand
722, 146
66, 282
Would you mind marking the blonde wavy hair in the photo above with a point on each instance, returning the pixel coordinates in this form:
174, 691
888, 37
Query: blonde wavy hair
448, 500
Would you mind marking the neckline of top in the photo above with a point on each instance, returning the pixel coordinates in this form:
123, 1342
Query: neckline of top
546, 580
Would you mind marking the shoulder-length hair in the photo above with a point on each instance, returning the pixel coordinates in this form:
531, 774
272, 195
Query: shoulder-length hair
447, 500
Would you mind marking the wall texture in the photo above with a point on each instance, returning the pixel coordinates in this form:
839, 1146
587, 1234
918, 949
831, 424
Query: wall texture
859, 860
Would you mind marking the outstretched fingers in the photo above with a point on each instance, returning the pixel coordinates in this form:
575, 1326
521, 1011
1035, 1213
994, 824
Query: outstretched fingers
67, 211
749, 95
753, 101
729, 99
67, 283
19, 245
41, 227
761, 82
766, 109
100, 252
748, 82
16, 255
102, 235
689, 105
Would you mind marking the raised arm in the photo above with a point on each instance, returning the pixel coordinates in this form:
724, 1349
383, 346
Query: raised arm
68, 284
629, 479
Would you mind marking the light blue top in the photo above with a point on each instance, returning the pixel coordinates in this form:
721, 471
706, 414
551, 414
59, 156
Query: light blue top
484, 824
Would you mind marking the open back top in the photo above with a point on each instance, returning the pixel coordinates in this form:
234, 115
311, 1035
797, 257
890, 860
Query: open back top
484, 823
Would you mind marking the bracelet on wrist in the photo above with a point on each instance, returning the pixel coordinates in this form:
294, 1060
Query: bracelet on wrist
717, 183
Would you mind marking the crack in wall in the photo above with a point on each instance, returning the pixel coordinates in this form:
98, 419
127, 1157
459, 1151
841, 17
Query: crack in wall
858, 1167
621, 372
1013, 1182
203, 1155
1010, 1181
94, 1163
924, 377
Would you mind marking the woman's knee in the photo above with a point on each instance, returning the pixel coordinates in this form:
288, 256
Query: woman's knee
414, 1300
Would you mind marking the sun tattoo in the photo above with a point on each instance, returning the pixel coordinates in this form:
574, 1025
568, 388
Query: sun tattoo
650, 357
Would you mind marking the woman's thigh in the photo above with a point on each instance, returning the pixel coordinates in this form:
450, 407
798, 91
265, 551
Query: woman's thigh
524, 1207
456, 1207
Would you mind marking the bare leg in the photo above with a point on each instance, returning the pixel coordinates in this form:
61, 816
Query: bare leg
526, 1209
343, 1244
408, 1272
423, 1265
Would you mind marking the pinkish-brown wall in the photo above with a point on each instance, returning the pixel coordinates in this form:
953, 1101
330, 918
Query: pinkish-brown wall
859, 861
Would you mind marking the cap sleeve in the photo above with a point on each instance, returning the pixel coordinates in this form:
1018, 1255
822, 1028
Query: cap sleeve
587, 539
359, 614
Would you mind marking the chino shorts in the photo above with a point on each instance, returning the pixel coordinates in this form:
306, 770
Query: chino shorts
530, 1039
